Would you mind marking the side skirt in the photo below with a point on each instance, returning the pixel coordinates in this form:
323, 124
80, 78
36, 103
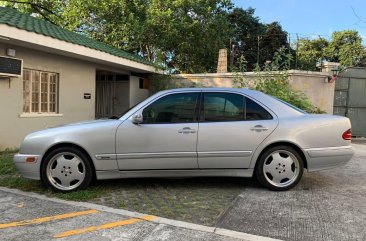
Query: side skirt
116, 174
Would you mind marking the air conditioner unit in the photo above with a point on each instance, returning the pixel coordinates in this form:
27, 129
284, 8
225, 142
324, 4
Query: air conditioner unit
10, 67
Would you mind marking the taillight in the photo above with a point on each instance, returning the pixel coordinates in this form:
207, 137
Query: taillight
347, 135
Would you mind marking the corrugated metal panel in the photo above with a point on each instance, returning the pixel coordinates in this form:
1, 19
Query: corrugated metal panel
340, 98
357, 90
341, 83
350, 98
358, 117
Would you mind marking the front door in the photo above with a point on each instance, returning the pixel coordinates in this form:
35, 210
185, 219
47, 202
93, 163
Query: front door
166, 139
230, 130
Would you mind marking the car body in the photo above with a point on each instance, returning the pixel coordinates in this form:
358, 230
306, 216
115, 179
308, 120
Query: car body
191, 132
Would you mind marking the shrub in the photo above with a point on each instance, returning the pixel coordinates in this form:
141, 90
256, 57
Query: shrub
272, 79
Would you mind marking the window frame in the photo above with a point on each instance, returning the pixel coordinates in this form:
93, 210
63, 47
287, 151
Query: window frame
202, 115
30, 100
245, 97
196, 108
261, 105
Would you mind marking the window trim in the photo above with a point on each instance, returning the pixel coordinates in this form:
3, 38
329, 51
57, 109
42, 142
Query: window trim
201, 116
34, 115
261, 105
40, 113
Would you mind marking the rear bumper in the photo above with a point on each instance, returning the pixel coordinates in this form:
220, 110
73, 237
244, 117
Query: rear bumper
328, 157
28, 170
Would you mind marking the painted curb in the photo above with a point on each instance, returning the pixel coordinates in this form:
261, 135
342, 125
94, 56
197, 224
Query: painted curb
159, 220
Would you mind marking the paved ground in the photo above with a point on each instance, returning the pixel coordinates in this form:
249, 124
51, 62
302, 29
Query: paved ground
34, 217
197, 200
326, 205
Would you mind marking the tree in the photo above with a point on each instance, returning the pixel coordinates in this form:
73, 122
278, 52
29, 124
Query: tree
346, 48
273, 39
311, 52
189, 33
39, 8
185, 35
253, 40
246, 30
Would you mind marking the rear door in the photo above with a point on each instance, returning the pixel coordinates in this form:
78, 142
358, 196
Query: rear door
231, 128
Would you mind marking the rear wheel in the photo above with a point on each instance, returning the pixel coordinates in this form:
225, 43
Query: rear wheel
279, 168
66, 169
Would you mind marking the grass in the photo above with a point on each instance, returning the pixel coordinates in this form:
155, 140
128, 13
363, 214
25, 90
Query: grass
6, 164
197, 200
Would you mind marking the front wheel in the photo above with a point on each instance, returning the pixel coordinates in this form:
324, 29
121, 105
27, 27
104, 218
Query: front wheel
279, 168
66, 169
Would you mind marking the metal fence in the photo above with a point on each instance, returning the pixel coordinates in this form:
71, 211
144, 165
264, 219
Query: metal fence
350, 98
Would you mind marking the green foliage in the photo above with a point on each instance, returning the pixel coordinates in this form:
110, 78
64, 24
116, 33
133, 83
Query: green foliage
248, 32
184, 35
345, 47
6, 163
311, 52
272, 79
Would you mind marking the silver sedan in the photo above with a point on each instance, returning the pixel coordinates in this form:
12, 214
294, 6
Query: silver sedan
190, 132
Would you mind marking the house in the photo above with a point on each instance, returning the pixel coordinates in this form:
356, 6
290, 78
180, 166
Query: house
63, 77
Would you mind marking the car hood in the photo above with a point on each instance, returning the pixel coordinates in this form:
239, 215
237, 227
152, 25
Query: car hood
83, 123
76, 128
78, 133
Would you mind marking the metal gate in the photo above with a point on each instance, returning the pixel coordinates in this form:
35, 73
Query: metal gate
350, 98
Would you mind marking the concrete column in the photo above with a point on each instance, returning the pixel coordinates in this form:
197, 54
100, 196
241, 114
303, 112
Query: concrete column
328, 66
222, 62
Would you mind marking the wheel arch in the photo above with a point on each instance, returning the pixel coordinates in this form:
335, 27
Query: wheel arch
284, 143
68, 144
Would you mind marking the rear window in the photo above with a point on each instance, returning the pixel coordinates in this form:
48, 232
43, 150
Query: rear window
289, 105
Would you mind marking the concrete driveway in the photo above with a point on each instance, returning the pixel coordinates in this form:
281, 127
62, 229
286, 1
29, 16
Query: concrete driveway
326, 205
30, 216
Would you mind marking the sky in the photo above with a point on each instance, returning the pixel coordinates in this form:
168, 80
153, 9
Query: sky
311, 18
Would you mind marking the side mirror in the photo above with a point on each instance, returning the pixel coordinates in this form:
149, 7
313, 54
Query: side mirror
137, 119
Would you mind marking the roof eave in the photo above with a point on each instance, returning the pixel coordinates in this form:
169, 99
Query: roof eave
48, 44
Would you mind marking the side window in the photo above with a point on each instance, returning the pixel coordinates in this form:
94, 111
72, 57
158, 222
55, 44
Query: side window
174, 108
255, 111
219, 107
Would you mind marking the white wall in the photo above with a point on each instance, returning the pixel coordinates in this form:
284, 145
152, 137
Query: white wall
136, 94
75, 78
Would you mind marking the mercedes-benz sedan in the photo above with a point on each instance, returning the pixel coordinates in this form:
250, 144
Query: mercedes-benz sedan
190, 132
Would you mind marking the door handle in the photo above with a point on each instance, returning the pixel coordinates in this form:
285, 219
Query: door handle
259, 128
186, 130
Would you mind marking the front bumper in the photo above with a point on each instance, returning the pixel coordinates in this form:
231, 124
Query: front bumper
328, 157
28, 169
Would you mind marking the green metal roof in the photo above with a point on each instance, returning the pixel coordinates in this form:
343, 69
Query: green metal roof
26, 22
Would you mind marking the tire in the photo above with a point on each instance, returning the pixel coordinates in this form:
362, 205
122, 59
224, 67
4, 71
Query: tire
279, 168
66, 169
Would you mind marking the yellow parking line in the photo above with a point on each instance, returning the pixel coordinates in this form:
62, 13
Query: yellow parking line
104, 226
46, 219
